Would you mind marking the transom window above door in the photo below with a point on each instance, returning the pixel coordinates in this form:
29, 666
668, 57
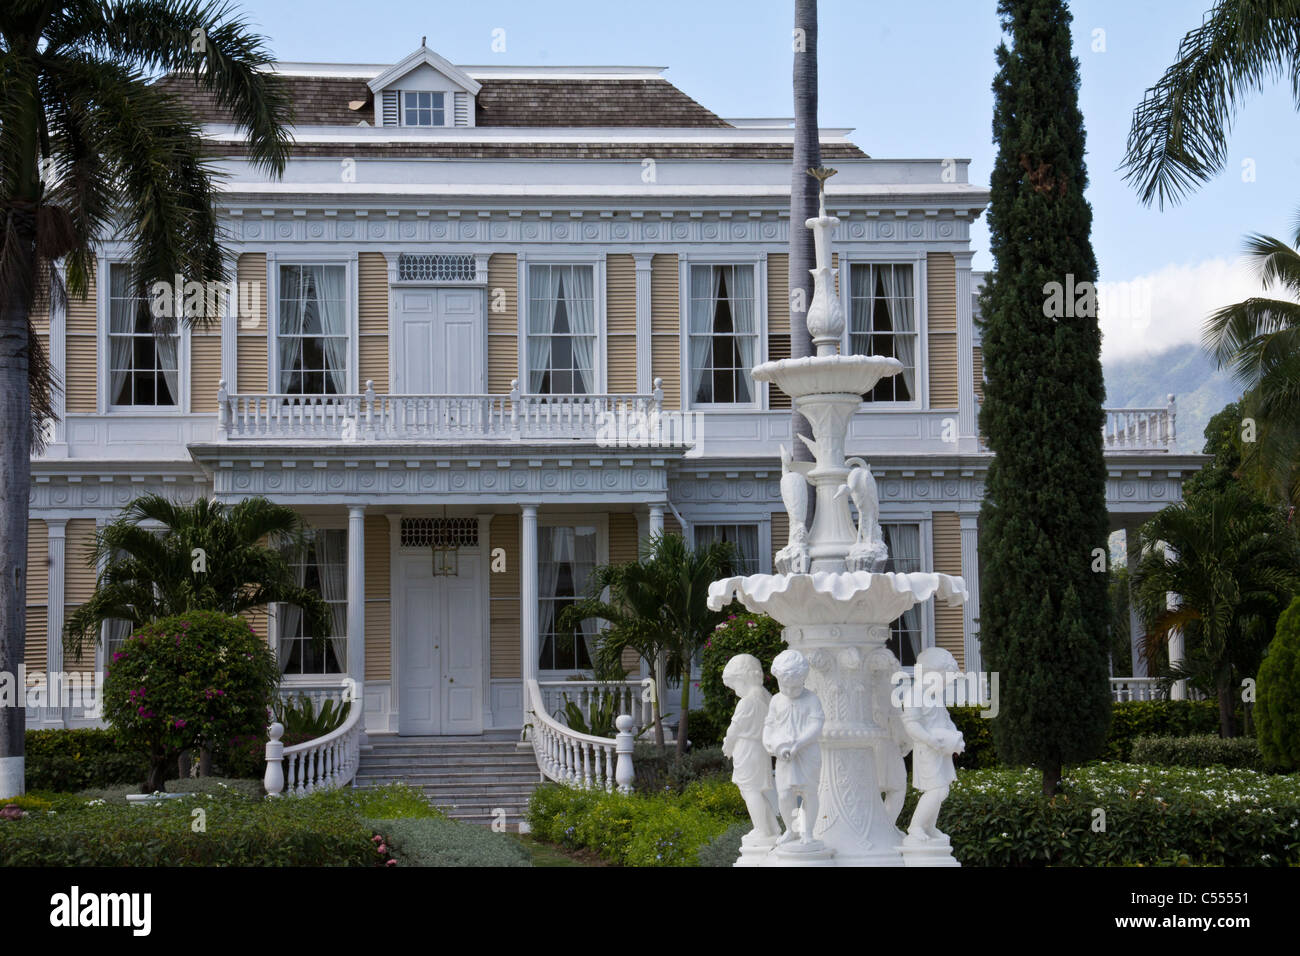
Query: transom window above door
561, 330
882, 321
142, 367
422, 108
723, 334
313, 339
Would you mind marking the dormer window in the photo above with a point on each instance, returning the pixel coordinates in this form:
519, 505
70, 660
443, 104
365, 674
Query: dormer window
423, 108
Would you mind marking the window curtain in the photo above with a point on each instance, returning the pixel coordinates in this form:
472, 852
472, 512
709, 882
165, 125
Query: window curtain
897, 281
168, 365
290, 345
744, 537
331, 300
904, 543
544, 294
860, 308
289, 616
332, 564
121, 325
584, 562
116, 631
704, 304
551, 550
743, 321
581, 301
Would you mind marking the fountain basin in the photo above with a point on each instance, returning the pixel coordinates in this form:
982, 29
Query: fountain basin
828, 374
836, 597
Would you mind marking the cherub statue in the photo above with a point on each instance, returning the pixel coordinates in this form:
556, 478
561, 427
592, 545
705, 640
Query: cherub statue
868, 552
891, 771
751, 766
790, 733
793, 558
935, 740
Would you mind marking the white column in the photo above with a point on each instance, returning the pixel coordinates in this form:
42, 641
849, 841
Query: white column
56, 554
656, 519
970, 572
57, 437
528, 592
1179, 690
967, 409
1133, 548
357, 598
644, 330
229, 327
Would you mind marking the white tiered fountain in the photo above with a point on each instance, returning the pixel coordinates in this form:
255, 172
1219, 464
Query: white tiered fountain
831, 594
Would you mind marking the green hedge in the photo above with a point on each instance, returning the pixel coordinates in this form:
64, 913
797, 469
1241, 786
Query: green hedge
75, 760
441, 842
1153, 816
624, 830
319, 830
1203, 750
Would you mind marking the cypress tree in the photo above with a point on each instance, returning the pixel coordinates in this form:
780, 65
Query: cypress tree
1044, 606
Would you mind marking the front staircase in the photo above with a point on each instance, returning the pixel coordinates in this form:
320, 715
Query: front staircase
469, 778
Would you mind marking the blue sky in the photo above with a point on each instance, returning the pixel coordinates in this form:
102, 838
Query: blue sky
912, 79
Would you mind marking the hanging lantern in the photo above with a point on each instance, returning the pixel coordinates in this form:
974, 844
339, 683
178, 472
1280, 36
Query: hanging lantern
444, 558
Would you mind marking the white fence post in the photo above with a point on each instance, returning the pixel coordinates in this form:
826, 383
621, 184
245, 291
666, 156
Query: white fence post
274, 780
624, 775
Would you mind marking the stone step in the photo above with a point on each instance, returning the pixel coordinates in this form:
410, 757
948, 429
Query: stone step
471, 786
474, 759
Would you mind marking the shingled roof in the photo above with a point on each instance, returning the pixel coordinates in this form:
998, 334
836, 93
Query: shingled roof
323, 101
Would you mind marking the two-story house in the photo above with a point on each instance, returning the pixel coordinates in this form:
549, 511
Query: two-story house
465, 275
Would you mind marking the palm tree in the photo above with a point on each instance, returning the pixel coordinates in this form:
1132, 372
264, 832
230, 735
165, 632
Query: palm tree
1259, 339
1235, 570
206, 556
657, 607
88, 147
1179, 136
807, 154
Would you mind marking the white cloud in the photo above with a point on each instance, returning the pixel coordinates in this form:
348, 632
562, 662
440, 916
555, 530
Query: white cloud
1151, 313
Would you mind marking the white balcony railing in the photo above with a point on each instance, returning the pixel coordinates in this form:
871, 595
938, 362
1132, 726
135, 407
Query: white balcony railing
633, 697
1141, 429
625, 419
575, 759
321, 764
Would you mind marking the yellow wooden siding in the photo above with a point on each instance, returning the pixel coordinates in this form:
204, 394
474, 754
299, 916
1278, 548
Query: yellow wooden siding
948, 628
622, 537
258, 617
977, 370
941, 299
503, 589
620, 316
79, 576
379, 657
38, 582
251, 365
372, 308
778, 320
780, 532
665, 327
671, 525
34, 653
81, 378
41, 304
205, 372
503, 322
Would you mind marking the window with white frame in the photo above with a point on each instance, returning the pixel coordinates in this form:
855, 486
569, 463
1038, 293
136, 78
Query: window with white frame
321, 565
723, 334
744, 537
561, 330
905, 633
142, 367
423, 108
882, 321
312, 332
566, 556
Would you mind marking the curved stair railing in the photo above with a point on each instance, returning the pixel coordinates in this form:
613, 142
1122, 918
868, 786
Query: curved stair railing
321, 764
579, 760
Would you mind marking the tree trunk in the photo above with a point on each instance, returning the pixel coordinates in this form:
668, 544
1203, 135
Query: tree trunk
686, 709
205, 761
1227, 717
659, 703
803, 202
15, 482
1052, 779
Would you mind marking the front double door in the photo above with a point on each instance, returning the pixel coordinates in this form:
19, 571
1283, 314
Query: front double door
440, 648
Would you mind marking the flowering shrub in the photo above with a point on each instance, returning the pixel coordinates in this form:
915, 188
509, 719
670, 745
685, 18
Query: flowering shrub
188, 680
1278, 710
755, 634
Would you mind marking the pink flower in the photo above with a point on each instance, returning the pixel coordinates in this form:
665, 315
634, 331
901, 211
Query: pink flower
391, 863
382, 848
377, 838
179, 724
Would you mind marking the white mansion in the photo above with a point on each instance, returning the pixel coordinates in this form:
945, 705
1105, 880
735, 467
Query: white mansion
466, 285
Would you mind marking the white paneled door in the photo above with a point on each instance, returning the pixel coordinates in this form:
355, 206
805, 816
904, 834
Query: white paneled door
440, 647
438, 342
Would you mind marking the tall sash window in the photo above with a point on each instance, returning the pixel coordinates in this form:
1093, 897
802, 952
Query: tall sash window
322, 566
561, 330
905, 633
723, 339
882, 321
313, 330
142, 367
566, 556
